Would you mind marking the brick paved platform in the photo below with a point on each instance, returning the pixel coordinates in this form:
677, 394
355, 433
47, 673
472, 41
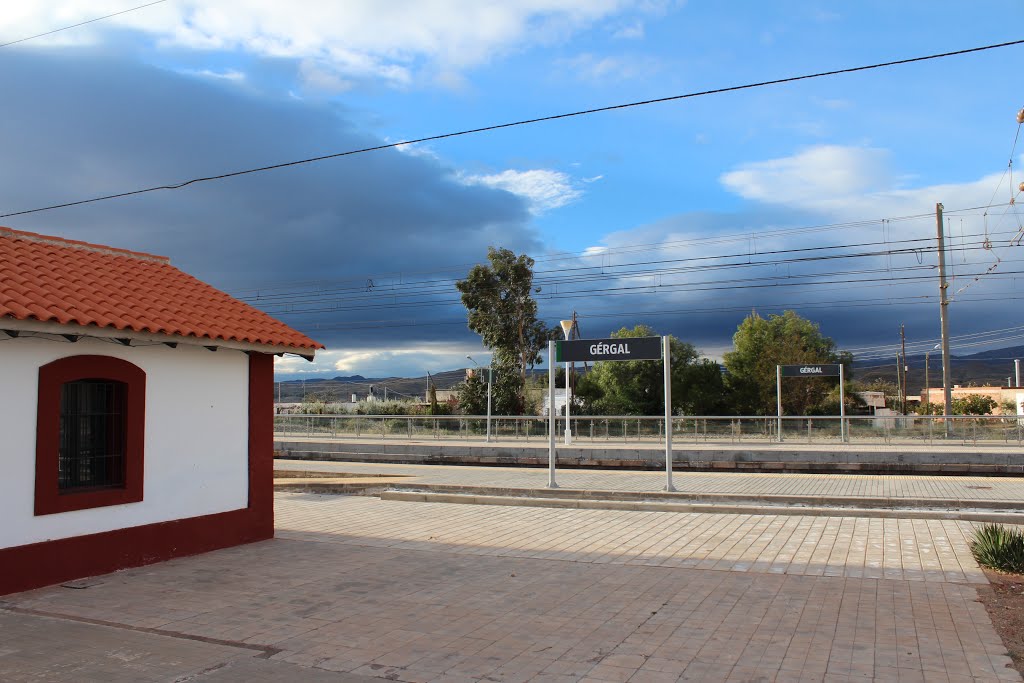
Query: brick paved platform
355, 589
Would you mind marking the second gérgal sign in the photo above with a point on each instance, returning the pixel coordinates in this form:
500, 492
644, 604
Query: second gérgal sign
811, 370
626, 348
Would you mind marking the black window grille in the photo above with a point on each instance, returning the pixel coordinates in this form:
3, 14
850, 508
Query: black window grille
92, 435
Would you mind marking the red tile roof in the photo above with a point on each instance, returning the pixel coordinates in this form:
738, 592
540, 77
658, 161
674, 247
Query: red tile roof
76, 283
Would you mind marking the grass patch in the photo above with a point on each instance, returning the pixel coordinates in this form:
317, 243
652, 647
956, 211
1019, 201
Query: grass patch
999, 547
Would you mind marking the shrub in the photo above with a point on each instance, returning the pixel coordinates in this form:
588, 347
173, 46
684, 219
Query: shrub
998, 547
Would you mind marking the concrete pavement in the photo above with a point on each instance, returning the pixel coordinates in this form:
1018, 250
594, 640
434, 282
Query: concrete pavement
355, 588
967, 490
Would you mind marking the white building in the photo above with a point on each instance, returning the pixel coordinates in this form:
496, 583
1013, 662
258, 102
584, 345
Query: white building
137, 411
559, 403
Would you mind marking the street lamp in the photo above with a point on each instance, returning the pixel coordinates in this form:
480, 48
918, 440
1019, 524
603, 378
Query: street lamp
490, 377
567, 329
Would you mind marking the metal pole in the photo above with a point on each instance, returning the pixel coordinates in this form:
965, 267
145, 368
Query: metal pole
842, 406
899, 387
903, 365
778, 399
927, 387
1016, 371
567, 326
947, 391
568, 402
666, 353
551, 415
490, 383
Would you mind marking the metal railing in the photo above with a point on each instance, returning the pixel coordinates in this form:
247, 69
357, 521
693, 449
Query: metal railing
987, 430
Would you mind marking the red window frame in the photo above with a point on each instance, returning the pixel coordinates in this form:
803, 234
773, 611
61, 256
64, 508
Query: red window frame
49, 499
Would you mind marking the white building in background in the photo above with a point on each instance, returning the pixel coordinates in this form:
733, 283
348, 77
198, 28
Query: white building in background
559, 403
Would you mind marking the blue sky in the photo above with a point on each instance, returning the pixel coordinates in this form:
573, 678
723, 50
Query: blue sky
360, 252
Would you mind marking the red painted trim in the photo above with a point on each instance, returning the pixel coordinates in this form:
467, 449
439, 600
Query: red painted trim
261, 441
41, 564
49, 499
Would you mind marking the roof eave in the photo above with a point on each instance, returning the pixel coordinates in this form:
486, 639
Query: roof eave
64, 329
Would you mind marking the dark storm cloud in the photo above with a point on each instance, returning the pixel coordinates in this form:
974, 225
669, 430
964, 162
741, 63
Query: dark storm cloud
856, 301
77, 125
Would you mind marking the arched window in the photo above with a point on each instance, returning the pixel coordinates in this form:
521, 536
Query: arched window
89, 434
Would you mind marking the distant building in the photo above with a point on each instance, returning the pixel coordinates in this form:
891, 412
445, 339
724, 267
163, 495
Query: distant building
138, 413
559, 403
997, 394
874, 400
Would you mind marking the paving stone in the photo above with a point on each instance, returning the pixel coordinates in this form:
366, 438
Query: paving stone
361, 589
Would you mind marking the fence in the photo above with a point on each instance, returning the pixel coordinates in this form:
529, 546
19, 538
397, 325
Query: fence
981, 431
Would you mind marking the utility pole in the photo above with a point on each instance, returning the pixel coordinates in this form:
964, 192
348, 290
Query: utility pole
927, 387
903, 345
900, 400
947, 392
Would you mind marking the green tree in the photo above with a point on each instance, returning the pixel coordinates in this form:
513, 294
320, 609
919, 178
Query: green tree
974, 404
760, 344
637, 387
501, 309
473, 395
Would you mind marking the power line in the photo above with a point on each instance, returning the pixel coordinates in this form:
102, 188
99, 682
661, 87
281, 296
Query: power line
512, 124
608, 271
359, 282
81, 23
419, 295
706, 286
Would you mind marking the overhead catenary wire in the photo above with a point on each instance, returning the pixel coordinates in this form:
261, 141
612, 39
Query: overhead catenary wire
81, 23
710, 286
300, 288
602, 271
512, 124
433, 295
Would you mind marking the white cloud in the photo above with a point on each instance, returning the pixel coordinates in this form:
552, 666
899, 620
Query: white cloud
411, 361
543, 188
355, 38
611, 68
813, 177
226, 75
849, 182
634, 31
323, 78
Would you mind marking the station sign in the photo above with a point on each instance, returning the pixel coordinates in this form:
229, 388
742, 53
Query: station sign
811, 370
625, 348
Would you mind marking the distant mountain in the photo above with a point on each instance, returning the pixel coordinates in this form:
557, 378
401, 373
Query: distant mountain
985, 368
1010, 352
341, 388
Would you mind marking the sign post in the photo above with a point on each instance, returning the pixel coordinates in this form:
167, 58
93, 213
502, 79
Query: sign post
842, 407
552, 422
812, 370
778, 400
625, 348
667, 355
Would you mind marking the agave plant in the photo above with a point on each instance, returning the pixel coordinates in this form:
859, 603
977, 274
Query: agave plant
999, 547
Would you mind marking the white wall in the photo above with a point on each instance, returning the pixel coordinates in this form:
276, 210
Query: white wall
196, 452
